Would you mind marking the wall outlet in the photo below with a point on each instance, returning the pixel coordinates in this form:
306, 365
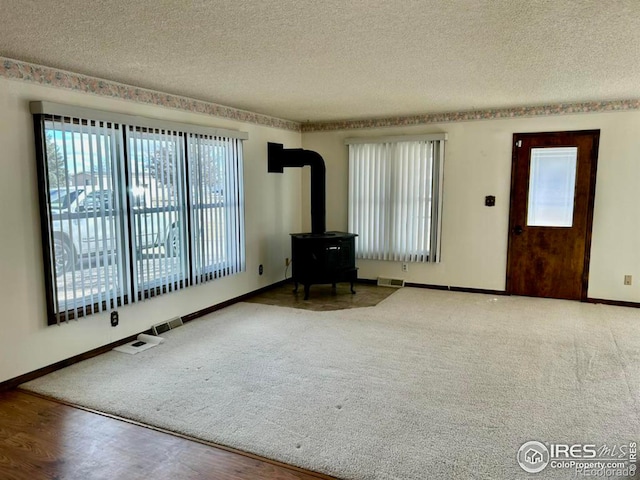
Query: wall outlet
405, 267
286, 262
627, 279
260, 270
115, 319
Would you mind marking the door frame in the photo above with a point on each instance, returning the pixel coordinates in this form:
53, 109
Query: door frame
590, 203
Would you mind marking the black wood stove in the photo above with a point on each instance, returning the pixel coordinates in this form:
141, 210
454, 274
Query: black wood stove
318, 256
323, 258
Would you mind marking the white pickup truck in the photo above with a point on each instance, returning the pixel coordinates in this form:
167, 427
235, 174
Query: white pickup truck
86, 221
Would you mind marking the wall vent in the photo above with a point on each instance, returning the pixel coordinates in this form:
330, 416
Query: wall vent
390, 282
166, 326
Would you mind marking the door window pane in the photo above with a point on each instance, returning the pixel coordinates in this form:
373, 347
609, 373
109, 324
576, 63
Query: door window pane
552, 182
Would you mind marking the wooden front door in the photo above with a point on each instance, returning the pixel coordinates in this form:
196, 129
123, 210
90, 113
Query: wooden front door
552, 192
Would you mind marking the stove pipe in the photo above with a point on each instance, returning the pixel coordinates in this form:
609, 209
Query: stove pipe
278, 157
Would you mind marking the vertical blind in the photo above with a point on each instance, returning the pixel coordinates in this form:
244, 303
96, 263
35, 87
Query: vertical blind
84, 221
216, 205
157, 184
132, 211
395, 197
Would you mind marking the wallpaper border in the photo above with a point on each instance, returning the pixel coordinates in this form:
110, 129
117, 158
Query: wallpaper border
488, 114
18, 70
51, 77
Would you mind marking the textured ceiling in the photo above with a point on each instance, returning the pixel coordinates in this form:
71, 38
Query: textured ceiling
337, 59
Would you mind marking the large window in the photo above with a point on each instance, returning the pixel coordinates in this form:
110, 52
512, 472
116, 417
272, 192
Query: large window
395, 197
132, 208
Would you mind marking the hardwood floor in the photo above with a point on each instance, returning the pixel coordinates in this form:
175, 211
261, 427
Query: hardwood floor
44, 439
324, 297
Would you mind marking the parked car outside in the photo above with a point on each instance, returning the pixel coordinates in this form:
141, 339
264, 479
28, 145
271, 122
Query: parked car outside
86, 222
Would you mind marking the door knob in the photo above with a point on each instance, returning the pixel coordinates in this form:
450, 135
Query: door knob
518, 229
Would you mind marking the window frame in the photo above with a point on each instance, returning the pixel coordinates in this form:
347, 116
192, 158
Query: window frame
362, 181
121, 126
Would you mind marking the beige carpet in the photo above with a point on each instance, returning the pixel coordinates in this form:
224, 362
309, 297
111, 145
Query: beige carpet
427, 384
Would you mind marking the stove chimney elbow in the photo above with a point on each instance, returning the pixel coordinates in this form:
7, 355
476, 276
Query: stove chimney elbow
278, 158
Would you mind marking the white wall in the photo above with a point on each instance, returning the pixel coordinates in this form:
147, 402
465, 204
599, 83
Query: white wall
26, 343
478, 163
